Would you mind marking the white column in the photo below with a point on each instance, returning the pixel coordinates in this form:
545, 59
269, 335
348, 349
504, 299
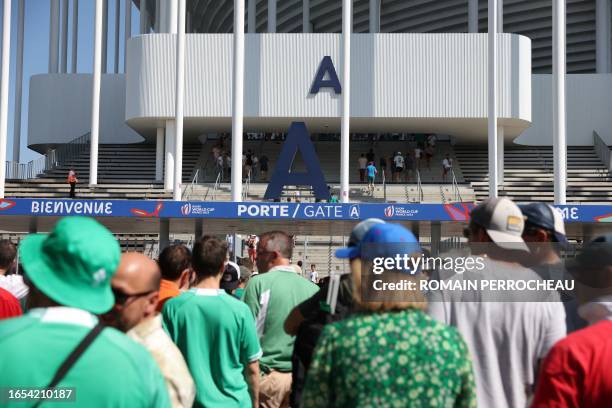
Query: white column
75, 34
492, 102
602, 35
559, 141
157, 25
473, 16
500, 16
4, 89
271, 16
95, 102
117, 22
500, 155
252, 16
180, 98
169, 149
144, 17
347, 29
238, 100
18, 80
54, 36
374, 16
173, 17
159, 155
64, 37
105, 37
128, 31
306, 16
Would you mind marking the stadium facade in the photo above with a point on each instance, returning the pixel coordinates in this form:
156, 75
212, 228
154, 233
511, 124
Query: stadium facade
416, 66
390, 70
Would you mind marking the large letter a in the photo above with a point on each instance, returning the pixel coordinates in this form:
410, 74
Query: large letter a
298, 139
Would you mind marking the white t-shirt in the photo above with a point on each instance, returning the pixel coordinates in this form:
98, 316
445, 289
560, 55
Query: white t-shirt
314, 276
363, 162
398, 161
14, 284
447, 163
417, 153
506, 339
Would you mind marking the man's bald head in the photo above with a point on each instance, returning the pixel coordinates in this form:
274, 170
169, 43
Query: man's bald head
136, 289
137, 273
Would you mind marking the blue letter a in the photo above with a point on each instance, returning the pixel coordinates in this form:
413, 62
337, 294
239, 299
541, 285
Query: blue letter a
326, 66
297, 139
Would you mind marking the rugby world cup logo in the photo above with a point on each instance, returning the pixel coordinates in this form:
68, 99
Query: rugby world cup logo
186, 209
389, 211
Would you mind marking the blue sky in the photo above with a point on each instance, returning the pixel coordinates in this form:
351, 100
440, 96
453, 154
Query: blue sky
36, 52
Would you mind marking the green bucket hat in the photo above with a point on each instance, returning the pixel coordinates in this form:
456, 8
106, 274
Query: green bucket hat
74, 264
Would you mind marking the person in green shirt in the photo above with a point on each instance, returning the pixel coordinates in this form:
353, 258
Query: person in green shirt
271, 295
69, 273
215, 333
389, 353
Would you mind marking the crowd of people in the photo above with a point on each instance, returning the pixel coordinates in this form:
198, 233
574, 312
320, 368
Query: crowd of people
195, 329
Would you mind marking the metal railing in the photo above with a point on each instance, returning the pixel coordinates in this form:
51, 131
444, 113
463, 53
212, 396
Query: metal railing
384, 183
247, 186
603, 151
189, 190
52, 159
215, 188
456, 192
420, 194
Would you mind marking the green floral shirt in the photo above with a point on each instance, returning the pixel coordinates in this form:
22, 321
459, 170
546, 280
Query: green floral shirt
395, 359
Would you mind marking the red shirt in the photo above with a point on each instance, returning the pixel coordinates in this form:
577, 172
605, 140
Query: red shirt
9, 305
578, 370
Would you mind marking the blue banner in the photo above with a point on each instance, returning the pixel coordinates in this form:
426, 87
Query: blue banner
269, 210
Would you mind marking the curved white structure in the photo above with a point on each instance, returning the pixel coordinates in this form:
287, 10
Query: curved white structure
421, 82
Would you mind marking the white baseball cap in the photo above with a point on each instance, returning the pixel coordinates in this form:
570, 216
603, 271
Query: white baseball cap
503, 221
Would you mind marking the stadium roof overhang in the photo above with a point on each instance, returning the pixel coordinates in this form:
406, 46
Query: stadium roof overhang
399, 83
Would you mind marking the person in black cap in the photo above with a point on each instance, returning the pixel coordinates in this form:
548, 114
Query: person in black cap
576, 371
544, 233
231, 278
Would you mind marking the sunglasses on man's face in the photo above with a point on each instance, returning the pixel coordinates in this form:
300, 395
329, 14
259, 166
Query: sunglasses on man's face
121, 298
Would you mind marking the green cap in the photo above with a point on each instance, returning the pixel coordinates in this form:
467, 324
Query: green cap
74, 264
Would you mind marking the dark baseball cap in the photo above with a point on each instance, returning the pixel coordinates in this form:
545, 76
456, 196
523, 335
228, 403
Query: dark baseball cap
595, 255
547, 217
231, 276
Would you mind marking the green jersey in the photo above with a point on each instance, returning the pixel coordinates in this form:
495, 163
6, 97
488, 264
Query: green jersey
216, 334
271, 296
403, 359
113, 371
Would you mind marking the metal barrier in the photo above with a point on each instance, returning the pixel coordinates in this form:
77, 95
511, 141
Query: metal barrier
247, 186
456, 187
384, 183
419, 187
52, 159
189, 190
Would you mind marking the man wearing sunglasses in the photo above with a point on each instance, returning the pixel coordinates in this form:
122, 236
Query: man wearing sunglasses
136, 290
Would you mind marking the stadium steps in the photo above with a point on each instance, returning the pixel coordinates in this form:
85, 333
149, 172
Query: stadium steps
396, 193
317, 251
47, 188
528, 173
134, 163
328, 153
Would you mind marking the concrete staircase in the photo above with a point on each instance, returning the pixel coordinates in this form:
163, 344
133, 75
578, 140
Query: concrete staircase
328, 153
528, 173
319, 250
58, 188
396, 193
119, 163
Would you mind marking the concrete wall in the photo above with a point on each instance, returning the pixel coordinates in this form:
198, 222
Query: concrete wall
589, 107
60, 110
